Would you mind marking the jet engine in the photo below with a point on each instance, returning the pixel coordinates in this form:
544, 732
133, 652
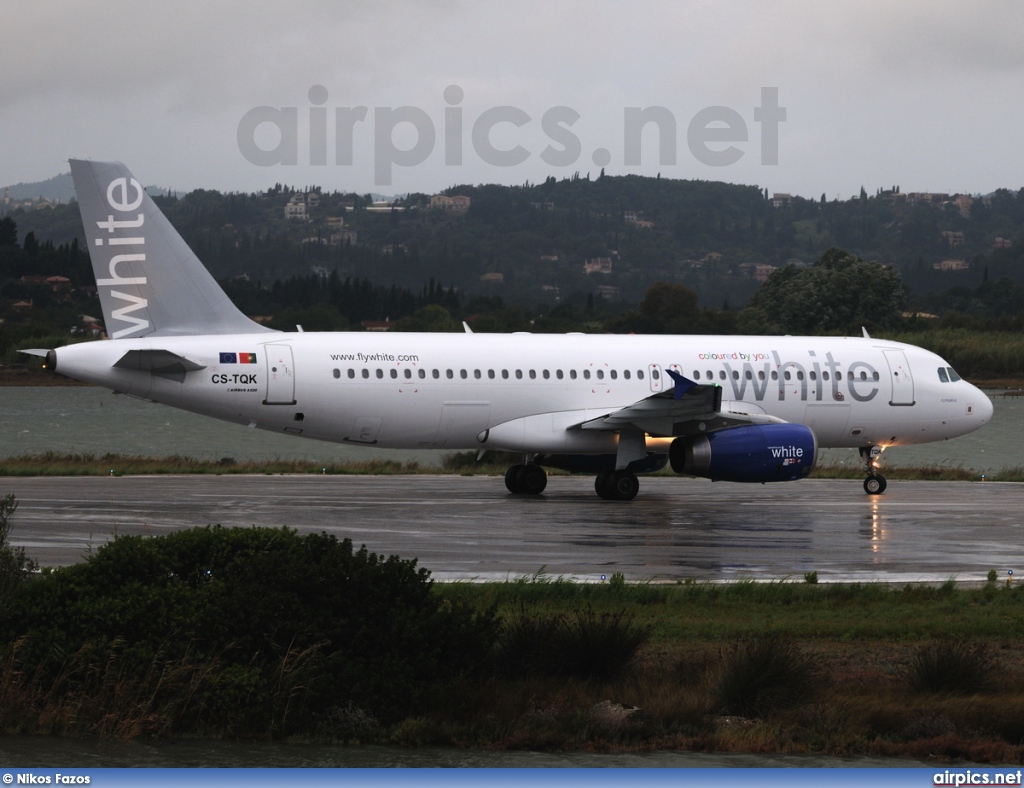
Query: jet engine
756, 453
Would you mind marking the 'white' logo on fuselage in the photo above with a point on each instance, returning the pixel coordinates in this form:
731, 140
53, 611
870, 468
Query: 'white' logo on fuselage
117, 199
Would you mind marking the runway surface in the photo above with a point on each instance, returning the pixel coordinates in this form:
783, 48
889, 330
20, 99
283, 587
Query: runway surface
471, 528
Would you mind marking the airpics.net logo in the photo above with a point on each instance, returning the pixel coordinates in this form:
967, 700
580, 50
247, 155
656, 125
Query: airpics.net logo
269, 136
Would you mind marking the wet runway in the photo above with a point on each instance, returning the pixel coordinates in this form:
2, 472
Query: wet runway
470, 527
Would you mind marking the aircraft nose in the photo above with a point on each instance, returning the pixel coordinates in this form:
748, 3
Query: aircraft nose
982, 407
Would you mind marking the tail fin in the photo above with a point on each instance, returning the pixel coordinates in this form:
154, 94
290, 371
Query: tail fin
150, 282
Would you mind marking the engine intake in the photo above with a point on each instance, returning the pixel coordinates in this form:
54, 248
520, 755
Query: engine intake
758, 453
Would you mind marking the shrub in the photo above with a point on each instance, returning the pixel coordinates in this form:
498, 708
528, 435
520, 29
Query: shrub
14, 564
951, 666
762, 675
581, 644
298, 624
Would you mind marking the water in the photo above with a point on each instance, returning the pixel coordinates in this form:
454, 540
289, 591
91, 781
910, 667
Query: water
89, 420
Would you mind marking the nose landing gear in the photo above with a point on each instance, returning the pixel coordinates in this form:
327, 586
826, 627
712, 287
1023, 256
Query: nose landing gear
875, 483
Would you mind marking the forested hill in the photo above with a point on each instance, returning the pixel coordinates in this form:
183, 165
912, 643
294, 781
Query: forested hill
529, 244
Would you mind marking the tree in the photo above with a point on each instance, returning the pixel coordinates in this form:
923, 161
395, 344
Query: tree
839, 293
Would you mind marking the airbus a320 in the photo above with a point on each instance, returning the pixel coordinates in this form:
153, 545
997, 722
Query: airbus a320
729, 408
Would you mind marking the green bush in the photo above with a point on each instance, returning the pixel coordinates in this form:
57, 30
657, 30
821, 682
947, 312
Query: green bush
762, 675
293, 626
14, 564
582, 644
951, 666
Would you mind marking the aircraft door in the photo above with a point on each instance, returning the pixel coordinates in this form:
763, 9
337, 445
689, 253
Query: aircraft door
902, 380
656, 376
280, 375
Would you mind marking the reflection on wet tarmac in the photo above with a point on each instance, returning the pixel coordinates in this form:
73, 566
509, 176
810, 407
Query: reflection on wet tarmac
469, 527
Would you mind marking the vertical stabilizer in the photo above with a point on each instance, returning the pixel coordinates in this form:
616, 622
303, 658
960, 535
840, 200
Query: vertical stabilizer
150, 283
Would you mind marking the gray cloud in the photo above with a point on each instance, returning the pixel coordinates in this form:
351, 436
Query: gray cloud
917, 93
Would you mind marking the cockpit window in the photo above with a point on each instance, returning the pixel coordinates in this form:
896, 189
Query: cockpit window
943, 376
952, 374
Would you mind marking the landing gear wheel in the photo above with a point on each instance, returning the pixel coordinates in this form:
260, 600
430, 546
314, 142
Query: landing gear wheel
617, 485
511, 478
626, 485
874, 484
532, 480
526, 479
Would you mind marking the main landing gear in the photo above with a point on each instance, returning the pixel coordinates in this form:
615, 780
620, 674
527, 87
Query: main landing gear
875, 483
526, 479
529, 479
617, 485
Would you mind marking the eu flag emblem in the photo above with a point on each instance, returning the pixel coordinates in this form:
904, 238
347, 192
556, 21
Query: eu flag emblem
228, 358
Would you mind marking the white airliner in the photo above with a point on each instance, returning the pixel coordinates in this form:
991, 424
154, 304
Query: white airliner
730, 408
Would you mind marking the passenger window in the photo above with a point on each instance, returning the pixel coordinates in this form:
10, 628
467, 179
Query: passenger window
586, 374
351, 373
449, 374
476, 374
943, 376
721, 374
436, 373
625, 374
394, 374
824, 376
749, 375
547, 375
786, 375
874, 375
559, 374
655, 374
863, 375
380, 373
504, 374
408, 374
366, 373
639, 374
337, 373
735, 375
572, 374
952, 374
799, 375
775, 375
533, 374
813, 375
614, 375
463, 374
490, 374
760, 374
600, 374
519, 374
423, 374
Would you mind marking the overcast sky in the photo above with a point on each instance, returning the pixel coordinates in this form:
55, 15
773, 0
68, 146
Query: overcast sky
925, 94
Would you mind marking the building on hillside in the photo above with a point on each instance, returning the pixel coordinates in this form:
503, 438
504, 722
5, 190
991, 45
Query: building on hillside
953, 237
443, 202
598, 265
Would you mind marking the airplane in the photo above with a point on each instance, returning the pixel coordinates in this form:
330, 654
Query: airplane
750, 409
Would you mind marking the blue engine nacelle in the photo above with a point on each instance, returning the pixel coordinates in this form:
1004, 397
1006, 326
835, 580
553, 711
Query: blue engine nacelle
758, 453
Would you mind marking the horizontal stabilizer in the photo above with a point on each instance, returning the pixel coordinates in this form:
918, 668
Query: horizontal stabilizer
159, 362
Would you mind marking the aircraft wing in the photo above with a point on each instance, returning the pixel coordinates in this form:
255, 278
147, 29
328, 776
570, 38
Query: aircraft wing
688, 409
